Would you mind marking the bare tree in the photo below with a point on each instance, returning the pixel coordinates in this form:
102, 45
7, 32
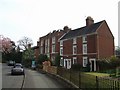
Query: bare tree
24, 42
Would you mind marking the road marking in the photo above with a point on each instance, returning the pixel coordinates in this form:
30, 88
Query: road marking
23, 82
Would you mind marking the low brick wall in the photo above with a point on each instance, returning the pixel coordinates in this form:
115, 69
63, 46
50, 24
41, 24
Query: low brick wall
50, 69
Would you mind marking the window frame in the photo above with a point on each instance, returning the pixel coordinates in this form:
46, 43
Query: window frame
74, 40
84, 39
84, 49
61, 51
74, 60
85, 62
74, 46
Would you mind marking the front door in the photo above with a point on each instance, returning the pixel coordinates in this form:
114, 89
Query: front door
67, 63
92, 64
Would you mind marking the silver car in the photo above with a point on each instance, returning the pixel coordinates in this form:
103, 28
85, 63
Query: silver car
17, 69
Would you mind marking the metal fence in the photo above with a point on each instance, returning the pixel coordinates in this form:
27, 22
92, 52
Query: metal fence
87, 81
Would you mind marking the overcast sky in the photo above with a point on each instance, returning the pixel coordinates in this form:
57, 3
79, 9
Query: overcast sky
36, 18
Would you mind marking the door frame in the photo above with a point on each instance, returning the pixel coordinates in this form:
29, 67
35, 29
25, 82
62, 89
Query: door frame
94, 60
66, 62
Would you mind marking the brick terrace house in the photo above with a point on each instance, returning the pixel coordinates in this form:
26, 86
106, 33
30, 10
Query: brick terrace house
89, 43
49, 45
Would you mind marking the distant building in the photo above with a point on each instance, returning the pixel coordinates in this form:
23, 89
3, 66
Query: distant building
49, 44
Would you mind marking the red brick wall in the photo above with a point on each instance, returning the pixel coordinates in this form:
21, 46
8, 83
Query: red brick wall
79, 45
105, 42
92, 43
68, 47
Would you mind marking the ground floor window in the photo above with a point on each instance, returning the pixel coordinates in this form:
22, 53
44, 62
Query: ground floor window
74, 60
85, 61
61, 61
53, 60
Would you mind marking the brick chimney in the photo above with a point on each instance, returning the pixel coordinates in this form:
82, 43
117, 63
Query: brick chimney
66, 29
89, 21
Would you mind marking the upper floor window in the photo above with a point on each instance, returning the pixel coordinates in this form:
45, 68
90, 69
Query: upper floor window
53, 48
41, 43
61, 51
84, 48
61, 43
74, 50
53, 40
84, 39
48, 44
74, 41
41, 50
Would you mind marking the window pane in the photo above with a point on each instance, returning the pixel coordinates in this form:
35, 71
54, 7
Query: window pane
61, 51
74, 50
84, 48
74, 41
84, 38
85, 61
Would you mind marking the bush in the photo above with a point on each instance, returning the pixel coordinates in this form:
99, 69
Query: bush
76, 67
42, 58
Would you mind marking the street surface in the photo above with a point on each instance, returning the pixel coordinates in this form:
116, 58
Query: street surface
8, 80
32, 79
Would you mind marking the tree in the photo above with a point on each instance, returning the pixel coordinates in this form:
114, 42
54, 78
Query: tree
7, 48
42, 58
6, 45
28, 56
24, 42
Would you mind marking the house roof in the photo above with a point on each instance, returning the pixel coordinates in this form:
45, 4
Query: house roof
82, 31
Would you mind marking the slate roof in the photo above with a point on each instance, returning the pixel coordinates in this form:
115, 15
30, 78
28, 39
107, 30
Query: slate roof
82, 31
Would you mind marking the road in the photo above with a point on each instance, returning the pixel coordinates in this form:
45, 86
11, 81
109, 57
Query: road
32, 79
10, 81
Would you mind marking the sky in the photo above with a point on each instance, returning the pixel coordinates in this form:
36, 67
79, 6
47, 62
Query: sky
36, 18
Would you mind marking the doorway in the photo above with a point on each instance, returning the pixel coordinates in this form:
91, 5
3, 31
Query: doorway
93, 64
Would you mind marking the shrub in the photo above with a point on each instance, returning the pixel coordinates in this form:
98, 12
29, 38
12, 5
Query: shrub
76, 67
42, 58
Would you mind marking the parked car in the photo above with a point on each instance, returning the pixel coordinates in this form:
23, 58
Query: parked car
17, 69
11, 63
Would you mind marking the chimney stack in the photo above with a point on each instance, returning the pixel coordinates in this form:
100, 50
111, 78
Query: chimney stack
66, 29
89, 21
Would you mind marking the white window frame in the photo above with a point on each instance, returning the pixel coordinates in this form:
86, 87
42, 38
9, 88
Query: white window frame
74, 46
61, 51
85, 62
41, 50
53, 59
74, 41
48, 45
74, 60
41, 44
84, 39
61, 61
84, 48
61, 43
53, 49
53, 40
